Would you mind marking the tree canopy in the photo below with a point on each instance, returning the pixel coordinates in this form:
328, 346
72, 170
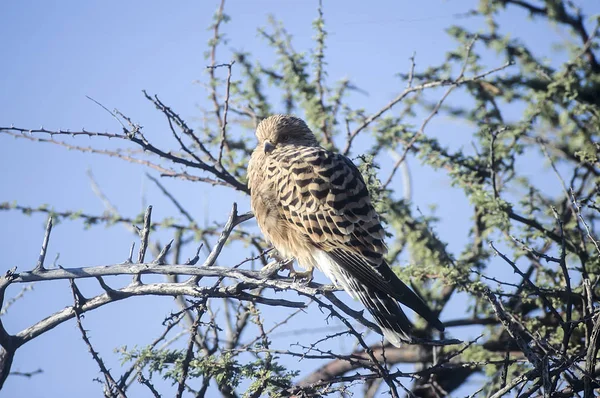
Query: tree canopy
518, 295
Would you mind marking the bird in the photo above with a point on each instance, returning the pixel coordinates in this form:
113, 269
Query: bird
313, 205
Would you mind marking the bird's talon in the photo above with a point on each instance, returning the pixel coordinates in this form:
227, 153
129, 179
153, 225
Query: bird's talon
287, 263
274, 255
303, 278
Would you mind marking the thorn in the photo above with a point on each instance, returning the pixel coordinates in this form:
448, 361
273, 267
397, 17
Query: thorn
136, 280
40, 264
130, 258
160, 259
144, 234
194, 260
11, 274
234, 212
109, 290
55, 262
192, 280
106, 288
80, 299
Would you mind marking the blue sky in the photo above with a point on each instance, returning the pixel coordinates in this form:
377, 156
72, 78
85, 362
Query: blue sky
57, 53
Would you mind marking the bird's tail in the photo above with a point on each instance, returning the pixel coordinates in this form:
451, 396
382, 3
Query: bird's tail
378, 291
414, 301
394, 324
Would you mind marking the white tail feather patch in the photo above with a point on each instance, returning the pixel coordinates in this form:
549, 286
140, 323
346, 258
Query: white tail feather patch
392, 336
333, 271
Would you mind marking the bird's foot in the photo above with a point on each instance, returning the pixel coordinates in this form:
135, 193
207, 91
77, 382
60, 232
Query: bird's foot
280, 264
274, 254
303, 277
286, 263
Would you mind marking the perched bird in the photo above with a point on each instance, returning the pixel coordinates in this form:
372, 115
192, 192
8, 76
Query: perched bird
313, 205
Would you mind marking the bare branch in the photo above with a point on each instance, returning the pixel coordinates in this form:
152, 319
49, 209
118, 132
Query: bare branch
189, 354
513, 329
223, 142
110, 381
13, 299
144, 235
530, 284
223, 177
27, 374
434, 112
213, 61
161, 289
412, 89
172, 199
234, 219
150, 386
160, 259
381, 369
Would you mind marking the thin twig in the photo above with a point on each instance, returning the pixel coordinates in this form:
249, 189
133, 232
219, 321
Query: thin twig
110, 381
409, 90
189, 353
223, 142
530, 284
456, 82
144, 235
173, 200
148, 384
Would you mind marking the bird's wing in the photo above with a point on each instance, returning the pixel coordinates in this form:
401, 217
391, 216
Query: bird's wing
323, 195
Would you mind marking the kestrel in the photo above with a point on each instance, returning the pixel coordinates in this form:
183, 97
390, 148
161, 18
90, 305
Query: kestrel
313, 205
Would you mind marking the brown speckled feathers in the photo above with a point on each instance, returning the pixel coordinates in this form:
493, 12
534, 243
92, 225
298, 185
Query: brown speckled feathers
313, 205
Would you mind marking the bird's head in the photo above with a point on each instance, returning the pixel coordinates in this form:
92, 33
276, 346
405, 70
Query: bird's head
282, 130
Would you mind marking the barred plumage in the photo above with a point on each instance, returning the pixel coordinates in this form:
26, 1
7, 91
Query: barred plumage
313, 205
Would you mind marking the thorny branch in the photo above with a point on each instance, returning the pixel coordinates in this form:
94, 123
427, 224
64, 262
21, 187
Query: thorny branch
455, 83
111, 384
246, 281
412, 89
